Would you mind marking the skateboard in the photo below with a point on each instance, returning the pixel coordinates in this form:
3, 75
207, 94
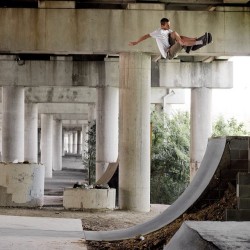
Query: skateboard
206, 38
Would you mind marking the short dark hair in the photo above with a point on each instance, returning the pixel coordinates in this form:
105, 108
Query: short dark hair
164, 20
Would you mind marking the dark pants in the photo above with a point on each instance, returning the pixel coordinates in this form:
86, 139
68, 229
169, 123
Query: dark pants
174, 48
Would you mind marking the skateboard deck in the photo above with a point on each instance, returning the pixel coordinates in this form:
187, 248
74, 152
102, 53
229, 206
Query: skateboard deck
206, 38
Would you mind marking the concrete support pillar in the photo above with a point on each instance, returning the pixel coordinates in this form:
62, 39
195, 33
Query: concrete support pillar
13, 124
70, 141
57, 145
66, 142
31, 133
134, 132
0, 140
74, 142
106, 128
78, 149
63, 136
201, 126
47, 143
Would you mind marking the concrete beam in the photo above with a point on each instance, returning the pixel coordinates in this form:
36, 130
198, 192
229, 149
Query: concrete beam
60, 95
63, 31
53, 73
191, 75
69, 103
72, 117
65, 108
74, 123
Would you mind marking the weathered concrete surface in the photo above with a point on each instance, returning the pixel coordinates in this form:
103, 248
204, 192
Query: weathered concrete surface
70, 31
21, 185
218, 74
80, 198
31, 132
134, 132
66, 108
13, 124
63, 72
22, 233
60, 95
66, 116
196, 235
83, 76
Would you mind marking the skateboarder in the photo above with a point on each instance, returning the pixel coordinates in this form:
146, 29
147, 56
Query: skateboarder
170, 42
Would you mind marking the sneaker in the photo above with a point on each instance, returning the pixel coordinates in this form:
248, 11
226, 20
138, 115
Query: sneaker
205, 39
187, 49
210, 38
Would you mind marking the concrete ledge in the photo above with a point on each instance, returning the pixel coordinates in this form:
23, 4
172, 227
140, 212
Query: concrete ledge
21, 185
79, 198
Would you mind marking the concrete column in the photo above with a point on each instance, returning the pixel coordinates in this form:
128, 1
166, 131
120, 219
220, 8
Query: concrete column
63, 136
47, 143
78, 148
70, 142
66, 142
106, 128
0, 140
13, 124
74, 142
57, 145
31, 132
134, 132
201, 126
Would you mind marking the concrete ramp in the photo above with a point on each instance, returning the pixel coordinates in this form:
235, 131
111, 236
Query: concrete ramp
215, 154
106, 177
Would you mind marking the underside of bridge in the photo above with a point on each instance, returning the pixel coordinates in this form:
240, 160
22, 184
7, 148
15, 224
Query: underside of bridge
123, 4
154, 5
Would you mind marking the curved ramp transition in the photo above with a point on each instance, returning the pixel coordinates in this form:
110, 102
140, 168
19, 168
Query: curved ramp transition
211, 160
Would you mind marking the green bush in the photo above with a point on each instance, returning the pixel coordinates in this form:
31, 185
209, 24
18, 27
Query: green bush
169, 156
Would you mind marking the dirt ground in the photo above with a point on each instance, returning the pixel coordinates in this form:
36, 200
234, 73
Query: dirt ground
117, 219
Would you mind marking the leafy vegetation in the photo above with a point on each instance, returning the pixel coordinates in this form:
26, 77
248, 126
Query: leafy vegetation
230, 127
169, 156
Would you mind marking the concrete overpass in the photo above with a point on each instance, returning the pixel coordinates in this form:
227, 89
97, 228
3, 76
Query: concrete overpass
73, 52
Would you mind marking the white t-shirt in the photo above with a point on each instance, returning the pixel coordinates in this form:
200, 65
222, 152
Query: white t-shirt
161, 37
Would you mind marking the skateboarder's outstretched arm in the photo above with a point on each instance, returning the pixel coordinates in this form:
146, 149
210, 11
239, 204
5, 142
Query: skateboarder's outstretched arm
139, 40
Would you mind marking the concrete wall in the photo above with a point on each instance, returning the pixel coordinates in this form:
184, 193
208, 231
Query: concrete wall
87, 31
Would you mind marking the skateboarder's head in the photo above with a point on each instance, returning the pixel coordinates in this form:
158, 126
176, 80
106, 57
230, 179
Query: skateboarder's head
165, 23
